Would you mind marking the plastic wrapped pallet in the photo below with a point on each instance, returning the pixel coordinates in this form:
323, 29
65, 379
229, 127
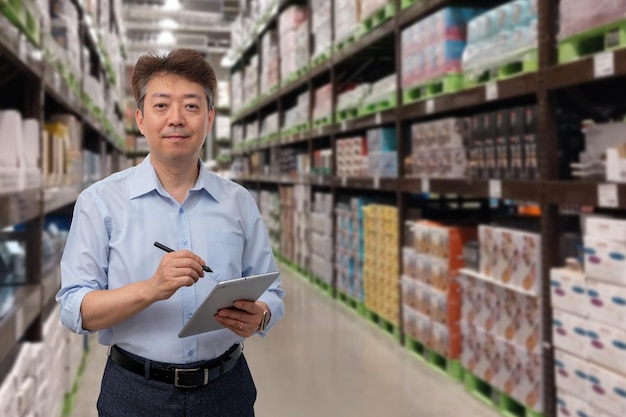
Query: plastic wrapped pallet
578, 16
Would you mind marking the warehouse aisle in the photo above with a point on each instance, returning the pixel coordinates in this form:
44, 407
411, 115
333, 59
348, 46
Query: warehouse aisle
323, 360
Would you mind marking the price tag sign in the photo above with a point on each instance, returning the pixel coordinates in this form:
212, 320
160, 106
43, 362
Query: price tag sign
344, 181
603, 64
608, 195
376, 183
495, 189
425, 185
430, 106
491, 91
379, 119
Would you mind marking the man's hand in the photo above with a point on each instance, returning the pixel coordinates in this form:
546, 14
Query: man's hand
244, 319
177, 269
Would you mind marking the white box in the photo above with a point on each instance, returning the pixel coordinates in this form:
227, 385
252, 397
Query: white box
569, 291
605, 259
570, 373
568, 405
606, 346
10, 143
607, 228
569, 333
606, 303
607, 390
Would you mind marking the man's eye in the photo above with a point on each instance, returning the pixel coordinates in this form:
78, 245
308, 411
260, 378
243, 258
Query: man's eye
160, 106
193, 106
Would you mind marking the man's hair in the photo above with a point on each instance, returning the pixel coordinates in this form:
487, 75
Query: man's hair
185, 63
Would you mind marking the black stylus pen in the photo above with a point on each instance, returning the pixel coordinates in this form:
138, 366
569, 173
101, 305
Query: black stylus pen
166, 249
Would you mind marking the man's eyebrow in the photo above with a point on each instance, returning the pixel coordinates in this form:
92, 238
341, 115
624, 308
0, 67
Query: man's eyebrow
188, 95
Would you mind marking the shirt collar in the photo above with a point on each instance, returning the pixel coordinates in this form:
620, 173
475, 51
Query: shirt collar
145, 180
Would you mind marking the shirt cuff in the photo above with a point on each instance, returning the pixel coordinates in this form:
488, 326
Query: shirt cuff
70, 311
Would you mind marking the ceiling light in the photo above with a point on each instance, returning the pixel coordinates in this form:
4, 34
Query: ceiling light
166, 38
172, 5
168, 23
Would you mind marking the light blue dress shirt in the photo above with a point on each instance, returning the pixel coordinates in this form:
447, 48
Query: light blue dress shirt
110, 244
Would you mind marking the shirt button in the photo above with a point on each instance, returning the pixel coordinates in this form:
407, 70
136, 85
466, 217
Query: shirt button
185, 242
181, 210
190, 353
189, 315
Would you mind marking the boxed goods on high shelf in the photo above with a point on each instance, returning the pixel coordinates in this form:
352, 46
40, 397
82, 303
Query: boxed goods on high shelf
296, 118
236, 88
504, 144
501, 42
286, 223
321, 25
588, 328
62, 152
382, 155
430, 287
501, 313
321, 237
294, 42
431, 50
19, 159
301, 225
270, 211
65, 24
322, 105
269, 127
351, 157
347, 17
597, 22
251, 80
380, 266
293, 163
349, 247
603, 157
438, 148
269, 62
350, 99
322, 162
381, 95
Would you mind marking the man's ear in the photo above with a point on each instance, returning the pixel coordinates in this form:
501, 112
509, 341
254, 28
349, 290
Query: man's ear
139, 120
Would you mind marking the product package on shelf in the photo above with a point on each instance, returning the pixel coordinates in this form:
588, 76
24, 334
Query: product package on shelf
501, 42
270, 211
350, 100
351, 157
64, 20
347, 15
433, 47
20, 145
381, 95
321, 25
380, 267
62, 153
504, 144
301, 225
294, 36
322, 105
270, 68
604, 156
578, 16
251, 80
269, 127
321, 237
322, 162
236, 88
382, 155
438, 148
286, 222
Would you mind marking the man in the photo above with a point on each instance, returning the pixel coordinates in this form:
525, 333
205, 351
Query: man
115, 282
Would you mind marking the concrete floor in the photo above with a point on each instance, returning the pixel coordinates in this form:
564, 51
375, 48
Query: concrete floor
324, 360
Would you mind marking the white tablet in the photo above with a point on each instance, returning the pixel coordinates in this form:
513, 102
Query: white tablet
224, 295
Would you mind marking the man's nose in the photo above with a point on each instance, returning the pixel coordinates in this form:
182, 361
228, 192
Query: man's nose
176, 116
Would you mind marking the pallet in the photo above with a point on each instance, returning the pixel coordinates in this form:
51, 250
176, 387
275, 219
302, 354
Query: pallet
324, 286
408, 3
495, 398
321, 122
603, 38
447, 84
295, 75
352, 303
377, 18
452, 368
346, 114
338, 46
322, 57
389, 101
529, 63
388, 327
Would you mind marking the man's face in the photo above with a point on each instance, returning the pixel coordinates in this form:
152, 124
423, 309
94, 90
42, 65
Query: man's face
175, 119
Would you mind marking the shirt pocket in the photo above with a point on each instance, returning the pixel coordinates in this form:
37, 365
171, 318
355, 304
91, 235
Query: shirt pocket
223, 255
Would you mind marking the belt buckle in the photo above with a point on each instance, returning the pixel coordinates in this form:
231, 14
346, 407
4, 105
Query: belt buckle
179, 371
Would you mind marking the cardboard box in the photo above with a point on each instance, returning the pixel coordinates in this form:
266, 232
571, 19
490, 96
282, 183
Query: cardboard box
606, 390
568, 405
569, 291
606, 346
570, 373
606, 303
605, 259
569, 333
607, 228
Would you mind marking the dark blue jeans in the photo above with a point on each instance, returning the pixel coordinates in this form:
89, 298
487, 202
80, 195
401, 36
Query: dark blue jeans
126, 394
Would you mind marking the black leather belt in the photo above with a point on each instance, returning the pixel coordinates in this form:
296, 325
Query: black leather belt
181, 377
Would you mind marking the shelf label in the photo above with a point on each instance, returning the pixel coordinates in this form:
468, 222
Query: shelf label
603, 64
430, 106
425, 185
379, 118
344, 181
491, 91
376, 183
495, 189
608, 195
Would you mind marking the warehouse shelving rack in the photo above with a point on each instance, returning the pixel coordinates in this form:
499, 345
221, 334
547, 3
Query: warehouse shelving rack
548, 87
37, 89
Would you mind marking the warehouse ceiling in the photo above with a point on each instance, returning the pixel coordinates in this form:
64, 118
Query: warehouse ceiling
203, 25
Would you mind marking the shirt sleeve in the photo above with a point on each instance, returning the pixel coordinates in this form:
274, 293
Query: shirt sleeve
84, 263
258, 258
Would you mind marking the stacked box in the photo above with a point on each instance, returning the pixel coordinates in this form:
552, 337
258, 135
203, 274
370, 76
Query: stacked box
62, 153
294, 39
433, 47
251, 80
301, 222
251, 131
269, 124
352, 157
321, 25
286, 223
270, 62
298, 114
352, 96
270, 212
438, 148
236, 91
347, 18
322, 102
368, 7
65, 23
323, 162
380, 269
321, 237
588, 320
383, 89
382, 155
430, 286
